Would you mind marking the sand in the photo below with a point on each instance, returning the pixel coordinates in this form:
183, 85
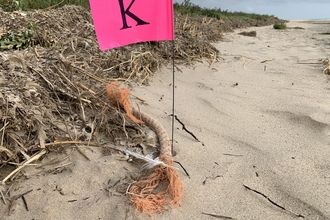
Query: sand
261, 113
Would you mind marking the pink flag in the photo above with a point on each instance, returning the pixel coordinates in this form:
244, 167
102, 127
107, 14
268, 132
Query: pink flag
122, 22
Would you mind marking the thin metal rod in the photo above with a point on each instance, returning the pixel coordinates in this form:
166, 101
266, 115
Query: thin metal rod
173, 96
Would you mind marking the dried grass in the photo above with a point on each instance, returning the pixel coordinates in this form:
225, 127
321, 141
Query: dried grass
69, 32
58, 84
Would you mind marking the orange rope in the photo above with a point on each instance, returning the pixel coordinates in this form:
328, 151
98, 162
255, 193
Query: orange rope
143, 192
121, 97
148, 202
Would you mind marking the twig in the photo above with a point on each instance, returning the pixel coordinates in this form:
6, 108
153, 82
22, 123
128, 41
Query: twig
182, 168
274, 203
8, 191
72, 142
234, 155
43, 77
185, 129
204, 182
111, 68
36, 157
86, 88
3, 197
217, 216
9, 153
309, 63
129, 186
53, 6
82, 108
26, 156
4, 127
124, 129
23, 194
23, 198
63, 165
142, 100
18, 164
36, 52
89, 74
64, 76
267, 61
17, 142
25, 204
72, 96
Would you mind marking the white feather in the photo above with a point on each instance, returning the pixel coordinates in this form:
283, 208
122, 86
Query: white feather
150, 163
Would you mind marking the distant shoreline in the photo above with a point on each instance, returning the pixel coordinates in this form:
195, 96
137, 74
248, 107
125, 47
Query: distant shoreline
320, 19
315, 21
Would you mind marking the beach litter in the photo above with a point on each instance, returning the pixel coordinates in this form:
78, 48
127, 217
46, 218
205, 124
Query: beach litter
142, 192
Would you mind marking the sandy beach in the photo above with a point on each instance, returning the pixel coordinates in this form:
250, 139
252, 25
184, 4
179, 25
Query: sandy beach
261, 114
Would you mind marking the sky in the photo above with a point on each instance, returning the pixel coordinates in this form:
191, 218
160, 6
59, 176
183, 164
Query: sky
283, 9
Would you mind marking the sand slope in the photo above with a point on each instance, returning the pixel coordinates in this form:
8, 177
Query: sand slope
262, 120
263, 123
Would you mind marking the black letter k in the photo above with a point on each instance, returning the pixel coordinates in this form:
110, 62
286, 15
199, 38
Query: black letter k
127, 12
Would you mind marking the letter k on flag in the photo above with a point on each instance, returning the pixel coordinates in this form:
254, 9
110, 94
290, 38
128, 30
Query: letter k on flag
122, 22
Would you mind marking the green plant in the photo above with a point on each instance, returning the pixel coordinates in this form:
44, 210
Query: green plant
26, 5
19, 40
186, 7
279, 26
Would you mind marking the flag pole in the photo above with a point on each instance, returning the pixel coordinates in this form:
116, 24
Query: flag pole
173, 96
173, 80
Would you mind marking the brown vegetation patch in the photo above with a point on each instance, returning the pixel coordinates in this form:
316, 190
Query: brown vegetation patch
248, 33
